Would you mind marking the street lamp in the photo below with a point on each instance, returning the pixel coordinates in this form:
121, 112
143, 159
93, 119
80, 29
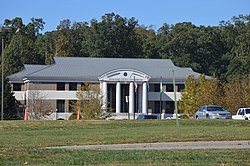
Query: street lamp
3, 30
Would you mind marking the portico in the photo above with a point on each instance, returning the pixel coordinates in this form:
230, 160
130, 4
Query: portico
134, 85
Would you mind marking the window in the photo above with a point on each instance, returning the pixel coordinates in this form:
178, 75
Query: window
151, 87
243, 112
180, 87
60, 105
73, 86
156, 87
17, 87
240, 112
169, 88
214, 108
60, 86
201, 109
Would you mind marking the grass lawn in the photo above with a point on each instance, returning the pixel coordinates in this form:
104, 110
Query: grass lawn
23, 142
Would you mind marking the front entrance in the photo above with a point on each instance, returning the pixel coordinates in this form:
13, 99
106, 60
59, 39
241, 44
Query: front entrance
124, 93
119, 83
111, 97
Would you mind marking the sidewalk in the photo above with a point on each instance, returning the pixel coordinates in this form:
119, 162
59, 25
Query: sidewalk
164, 146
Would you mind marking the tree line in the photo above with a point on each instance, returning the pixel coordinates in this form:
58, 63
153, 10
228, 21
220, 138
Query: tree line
199, 92
221, 51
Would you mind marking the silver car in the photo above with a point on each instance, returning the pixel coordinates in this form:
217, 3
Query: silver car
212, 112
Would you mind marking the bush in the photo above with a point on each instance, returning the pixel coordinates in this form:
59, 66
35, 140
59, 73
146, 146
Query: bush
184, 116
73, 116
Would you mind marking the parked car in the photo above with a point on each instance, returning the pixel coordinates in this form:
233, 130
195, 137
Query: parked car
143, 116
242, 114
212, 112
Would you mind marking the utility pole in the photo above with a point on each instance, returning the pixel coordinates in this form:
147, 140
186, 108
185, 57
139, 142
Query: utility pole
161, 90
175, 100
2, 65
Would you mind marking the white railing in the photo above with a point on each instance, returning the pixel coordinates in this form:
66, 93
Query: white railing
19, 95
71, 95
166, 96
46, 94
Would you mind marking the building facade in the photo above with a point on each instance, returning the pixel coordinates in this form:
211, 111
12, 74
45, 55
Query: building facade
128, 86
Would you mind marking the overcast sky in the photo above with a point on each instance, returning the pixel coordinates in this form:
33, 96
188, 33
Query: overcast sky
147, 12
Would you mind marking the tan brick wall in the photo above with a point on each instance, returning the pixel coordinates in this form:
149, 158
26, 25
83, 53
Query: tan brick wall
66, 86
41, 86
52, 86
52, 103
23, 87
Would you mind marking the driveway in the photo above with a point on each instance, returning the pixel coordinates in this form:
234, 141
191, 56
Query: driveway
164, 146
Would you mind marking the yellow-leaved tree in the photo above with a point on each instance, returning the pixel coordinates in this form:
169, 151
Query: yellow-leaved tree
237, 94
189, 102
90, 102
198, 93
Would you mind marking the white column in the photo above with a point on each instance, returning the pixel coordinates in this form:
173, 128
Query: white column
131, 97
105, 94
144, 98
140, 98
101, 90
118, 98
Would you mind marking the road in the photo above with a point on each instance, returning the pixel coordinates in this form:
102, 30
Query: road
164, 146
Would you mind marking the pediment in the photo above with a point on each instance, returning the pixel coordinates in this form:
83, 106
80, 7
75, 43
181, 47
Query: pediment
124, 75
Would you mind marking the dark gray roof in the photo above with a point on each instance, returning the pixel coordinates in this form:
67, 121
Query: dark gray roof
28, 70
89, 69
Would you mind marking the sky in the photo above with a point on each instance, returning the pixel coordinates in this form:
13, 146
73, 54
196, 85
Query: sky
147, 12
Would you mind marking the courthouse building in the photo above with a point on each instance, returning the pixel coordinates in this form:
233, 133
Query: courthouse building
127, 85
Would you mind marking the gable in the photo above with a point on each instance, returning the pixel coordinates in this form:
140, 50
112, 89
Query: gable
124, 75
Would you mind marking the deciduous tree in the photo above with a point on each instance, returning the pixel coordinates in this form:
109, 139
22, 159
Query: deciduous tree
90, 102
237, 94
189, 100
39, 107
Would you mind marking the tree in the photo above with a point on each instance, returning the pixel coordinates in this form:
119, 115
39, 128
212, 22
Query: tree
10, 104
114, 37
198, 93
45, 45
191, 46
19, 51
209, 91
235, 36
20, 47
37, 104
237, 94
90, 102
64, 37
189, 100
221, 51
147, 39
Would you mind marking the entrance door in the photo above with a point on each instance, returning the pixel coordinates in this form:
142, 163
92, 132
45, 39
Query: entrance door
125, 92
111, 96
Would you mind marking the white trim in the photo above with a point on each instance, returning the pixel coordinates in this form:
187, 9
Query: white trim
71, 95
124, 75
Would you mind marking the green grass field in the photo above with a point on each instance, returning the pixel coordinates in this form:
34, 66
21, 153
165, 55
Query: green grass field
24, 142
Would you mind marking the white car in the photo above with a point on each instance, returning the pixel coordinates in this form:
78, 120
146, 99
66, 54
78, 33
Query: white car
243, 114
212, 112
